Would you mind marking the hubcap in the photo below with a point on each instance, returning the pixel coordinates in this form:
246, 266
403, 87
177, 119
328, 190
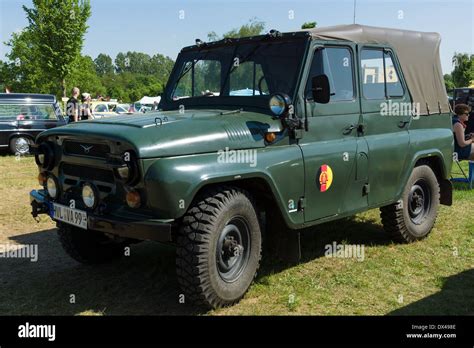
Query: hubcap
233, 249
22, 146
419, 202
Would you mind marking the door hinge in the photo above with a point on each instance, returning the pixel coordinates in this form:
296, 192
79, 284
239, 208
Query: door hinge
298, 133
301, 204
366, 189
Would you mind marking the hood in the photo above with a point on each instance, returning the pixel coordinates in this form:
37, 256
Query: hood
165, 134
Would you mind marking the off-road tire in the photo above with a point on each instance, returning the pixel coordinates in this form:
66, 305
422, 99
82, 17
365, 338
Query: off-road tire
198, 264
89, 247
398, 218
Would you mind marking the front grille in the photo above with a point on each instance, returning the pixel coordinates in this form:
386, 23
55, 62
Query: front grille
88, 173
86, 149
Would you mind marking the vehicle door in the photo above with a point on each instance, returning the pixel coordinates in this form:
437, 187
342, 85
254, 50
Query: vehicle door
335, 155
387, 115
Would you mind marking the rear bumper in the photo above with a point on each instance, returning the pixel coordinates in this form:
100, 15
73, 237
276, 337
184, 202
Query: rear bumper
155, 230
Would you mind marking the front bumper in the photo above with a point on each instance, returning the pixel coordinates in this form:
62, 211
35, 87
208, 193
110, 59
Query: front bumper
156, 230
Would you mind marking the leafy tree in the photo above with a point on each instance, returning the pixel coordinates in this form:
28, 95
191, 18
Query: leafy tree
58, 27
83, 75
448, 82
463, 72
103, 64
252, 28
23, 73
308, 25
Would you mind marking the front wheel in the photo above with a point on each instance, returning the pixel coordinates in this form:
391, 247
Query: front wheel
413, 217
20, 145
218, 247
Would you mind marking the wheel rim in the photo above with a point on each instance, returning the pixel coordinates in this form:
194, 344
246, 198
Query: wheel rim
22, 145
419, 202
233, 249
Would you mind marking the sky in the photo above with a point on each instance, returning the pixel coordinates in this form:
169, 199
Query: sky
165, 26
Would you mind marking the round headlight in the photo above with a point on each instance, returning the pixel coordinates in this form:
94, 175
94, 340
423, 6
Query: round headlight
52, 187
279, 104
89, 196
124, 172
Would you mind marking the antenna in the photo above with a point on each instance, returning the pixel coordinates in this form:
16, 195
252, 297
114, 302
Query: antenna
355, 4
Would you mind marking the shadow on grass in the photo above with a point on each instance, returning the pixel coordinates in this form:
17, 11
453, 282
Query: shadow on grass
142, 284
314, 240
455, 298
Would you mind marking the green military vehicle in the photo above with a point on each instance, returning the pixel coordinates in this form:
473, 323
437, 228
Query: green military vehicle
255, 139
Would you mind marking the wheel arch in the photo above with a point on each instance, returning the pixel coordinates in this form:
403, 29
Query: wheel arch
441, 166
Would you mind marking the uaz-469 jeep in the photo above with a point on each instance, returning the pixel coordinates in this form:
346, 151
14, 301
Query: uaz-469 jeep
280, 130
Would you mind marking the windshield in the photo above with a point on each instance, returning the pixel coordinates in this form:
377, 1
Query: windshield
256, 69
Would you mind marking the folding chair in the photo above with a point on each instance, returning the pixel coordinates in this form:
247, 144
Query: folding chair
469, 178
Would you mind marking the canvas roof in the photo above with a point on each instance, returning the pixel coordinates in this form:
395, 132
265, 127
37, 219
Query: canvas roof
418, 53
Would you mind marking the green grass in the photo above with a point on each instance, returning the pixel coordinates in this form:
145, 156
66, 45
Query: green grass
433, 276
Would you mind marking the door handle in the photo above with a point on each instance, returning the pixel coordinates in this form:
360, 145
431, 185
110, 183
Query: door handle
349, 129
402, 124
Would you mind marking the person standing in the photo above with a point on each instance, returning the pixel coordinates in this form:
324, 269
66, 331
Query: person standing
86, 112
72, 106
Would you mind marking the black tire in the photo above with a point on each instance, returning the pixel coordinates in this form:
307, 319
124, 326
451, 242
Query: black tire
218, 247
413, 217
89, 247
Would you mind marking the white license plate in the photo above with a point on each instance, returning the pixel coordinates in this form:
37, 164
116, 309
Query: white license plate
71, 216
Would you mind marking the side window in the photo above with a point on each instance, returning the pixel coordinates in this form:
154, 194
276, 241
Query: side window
373, 76
22, 112
101, 108
336, 63
394, 86
380, 78
9, 112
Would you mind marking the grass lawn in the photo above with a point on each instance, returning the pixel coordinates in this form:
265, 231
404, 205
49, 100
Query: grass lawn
434, 276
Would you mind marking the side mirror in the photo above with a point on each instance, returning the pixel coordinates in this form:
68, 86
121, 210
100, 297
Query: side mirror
320, 88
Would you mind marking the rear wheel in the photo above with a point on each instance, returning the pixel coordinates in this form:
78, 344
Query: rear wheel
20, 145
218, 247
89, 247
413, 217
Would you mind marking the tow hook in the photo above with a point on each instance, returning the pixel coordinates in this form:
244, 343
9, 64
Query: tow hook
38, 209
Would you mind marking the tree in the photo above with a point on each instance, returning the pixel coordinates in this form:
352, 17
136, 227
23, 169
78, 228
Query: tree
103, 64
58, 28
463, 72
308, 25
83, 75
23, 73
448, 82
252, 28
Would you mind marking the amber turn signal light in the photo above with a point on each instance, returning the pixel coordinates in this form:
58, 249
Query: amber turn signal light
42, 179
133, 199
270, 137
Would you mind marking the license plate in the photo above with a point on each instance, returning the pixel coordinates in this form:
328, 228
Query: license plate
71, 216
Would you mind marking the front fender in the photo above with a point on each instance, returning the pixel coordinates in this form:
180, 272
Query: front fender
173, 182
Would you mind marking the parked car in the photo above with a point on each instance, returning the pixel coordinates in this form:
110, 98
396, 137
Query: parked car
24, 116
216, 175
106, 109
